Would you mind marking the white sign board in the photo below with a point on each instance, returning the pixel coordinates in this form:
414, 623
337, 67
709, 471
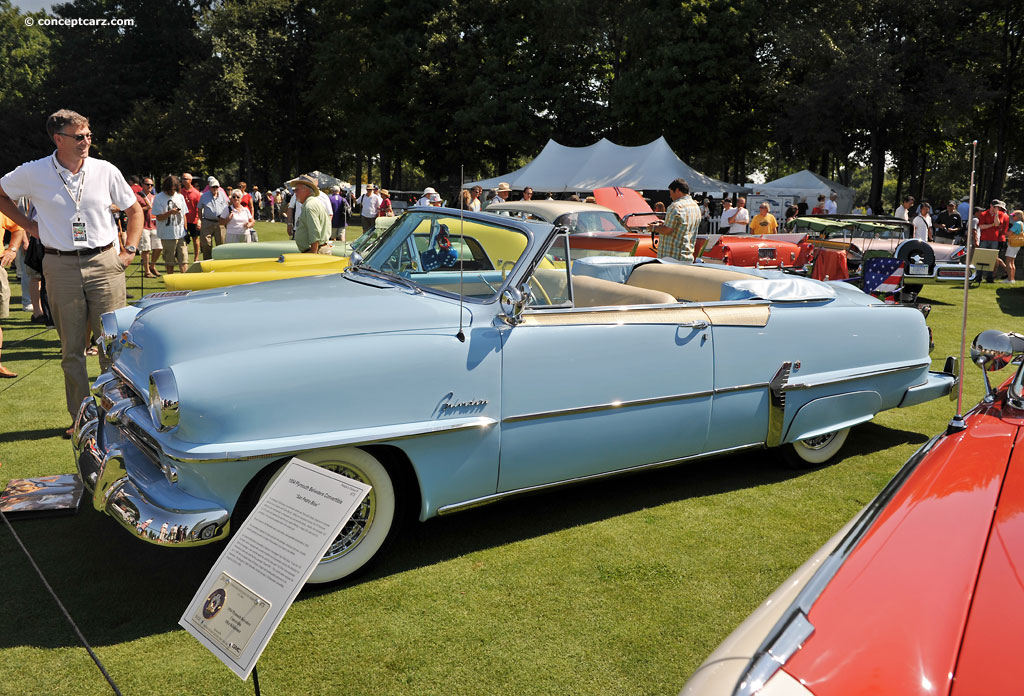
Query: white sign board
257, 577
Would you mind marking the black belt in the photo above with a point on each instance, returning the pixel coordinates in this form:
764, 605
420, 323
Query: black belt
78, 252
209, 220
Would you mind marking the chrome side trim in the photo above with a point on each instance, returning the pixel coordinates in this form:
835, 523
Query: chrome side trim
858, 375
608, 406
629, 404
742, 387
495, 497
366, 436
777, 404
793, 627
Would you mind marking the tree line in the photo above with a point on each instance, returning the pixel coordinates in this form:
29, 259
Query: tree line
880, 94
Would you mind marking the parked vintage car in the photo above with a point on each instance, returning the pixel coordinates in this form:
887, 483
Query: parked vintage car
635, 212
926, 262
203, 275
477, 247
594, 230
462, 367
921, 593
785, 251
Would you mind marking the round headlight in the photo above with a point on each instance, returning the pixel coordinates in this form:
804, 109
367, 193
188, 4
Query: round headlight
163, 399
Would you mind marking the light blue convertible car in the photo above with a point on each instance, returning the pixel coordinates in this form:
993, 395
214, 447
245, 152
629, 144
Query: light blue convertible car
482, 366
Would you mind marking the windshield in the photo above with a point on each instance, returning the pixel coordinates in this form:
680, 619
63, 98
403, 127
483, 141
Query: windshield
600, 221
442, 252
847, 228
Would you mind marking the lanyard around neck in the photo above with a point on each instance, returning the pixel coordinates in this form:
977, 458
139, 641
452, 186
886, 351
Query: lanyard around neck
81, 187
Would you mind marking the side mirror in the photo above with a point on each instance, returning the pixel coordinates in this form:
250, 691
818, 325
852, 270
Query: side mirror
512, 303
992, 350
355, 258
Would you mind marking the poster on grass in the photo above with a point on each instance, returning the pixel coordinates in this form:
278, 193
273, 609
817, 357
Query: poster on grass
246, 594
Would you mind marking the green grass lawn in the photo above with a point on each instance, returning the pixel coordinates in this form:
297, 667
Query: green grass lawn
617, 587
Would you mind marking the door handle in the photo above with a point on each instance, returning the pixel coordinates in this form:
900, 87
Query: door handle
698, 325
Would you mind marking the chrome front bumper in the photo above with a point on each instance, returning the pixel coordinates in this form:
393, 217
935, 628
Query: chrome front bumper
128, 482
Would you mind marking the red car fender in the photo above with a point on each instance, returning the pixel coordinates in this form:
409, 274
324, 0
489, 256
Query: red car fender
892, 618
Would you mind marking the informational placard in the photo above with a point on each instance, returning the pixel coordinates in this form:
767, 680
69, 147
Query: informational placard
261, 570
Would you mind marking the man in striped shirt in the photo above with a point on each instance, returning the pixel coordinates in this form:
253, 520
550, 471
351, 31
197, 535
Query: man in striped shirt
679, 231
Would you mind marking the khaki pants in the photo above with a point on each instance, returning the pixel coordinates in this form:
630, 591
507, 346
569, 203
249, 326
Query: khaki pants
81, 289
176, 251
209, 234
5, 294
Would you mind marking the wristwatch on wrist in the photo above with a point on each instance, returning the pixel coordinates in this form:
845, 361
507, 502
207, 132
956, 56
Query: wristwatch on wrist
131, 249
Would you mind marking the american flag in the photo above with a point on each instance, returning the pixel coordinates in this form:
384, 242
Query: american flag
883, 275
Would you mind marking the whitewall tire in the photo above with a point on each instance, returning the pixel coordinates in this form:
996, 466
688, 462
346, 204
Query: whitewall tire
371, 526
815, 451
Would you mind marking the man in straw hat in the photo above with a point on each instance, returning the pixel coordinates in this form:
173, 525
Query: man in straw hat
503, 192
313, 229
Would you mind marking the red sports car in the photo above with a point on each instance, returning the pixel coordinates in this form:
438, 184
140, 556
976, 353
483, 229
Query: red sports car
923, 591
781, 251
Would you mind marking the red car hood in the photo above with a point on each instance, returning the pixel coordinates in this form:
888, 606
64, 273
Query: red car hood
892, 619
626, 202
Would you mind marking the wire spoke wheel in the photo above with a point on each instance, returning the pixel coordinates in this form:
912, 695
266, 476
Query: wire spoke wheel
370, 527
814, 451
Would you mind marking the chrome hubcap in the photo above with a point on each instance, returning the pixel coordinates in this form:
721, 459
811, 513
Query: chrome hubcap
816, 443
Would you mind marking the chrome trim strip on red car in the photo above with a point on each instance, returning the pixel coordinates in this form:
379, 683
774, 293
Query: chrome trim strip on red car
785, 639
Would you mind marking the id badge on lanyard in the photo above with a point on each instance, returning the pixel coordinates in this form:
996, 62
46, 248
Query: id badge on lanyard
78, 234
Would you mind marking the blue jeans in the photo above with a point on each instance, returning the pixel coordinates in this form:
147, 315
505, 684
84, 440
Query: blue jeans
989, 244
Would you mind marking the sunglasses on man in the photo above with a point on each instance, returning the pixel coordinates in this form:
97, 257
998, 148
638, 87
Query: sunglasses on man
79, 137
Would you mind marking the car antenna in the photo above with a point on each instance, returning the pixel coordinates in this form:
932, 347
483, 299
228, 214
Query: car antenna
462, 235
958, 423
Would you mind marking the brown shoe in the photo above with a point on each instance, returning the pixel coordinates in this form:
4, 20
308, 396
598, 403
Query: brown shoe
66, 434
7, 374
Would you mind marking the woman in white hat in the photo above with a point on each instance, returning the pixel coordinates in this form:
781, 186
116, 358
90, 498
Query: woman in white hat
425, 198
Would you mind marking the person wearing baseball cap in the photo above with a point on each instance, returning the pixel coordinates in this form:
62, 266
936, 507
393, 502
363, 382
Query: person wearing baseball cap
313, 228
213, 205
369, 209
993, 224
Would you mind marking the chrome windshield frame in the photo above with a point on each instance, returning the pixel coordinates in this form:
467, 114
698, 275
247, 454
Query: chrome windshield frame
537, 235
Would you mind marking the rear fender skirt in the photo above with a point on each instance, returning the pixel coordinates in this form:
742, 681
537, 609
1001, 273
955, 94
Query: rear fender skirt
830, 413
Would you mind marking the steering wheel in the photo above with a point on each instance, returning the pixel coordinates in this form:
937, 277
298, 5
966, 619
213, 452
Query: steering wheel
535, 283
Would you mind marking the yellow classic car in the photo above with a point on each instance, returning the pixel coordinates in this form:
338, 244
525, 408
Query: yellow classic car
477, 246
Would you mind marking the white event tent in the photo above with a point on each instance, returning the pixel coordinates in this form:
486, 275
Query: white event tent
806, 183
649, 167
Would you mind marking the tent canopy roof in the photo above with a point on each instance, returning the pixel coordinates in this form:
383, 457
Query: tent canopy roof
649, 167
804, 179
809, 184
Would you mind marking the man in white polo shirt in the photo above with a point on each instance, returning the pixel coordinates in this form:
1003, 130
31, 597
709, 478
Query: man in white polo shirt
72, 194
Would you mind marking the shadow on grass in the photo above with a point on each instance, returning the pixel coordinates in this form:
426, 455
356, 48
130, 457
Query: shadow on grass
30, 435
119, 589
1011, 301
